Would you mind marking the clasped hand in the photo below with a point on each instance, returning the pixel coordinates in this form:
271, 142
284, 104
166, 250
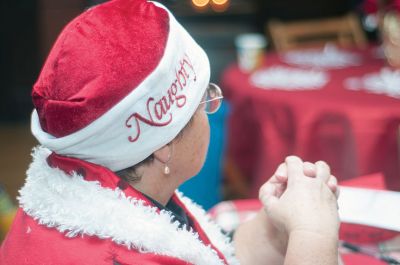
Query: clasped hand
302, 196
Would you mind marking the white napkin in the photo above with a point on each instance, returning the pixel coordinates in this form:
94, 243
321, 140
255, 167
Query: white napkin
285, 78
329, 57
387, 82
370, 207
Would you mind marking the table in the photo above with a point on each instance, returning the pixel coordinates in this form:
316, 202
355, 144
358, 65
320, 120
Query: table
355, 131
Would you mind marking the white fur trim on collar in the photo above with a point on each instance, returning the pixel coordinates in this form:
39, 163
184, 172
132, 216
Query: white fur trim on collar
75, 207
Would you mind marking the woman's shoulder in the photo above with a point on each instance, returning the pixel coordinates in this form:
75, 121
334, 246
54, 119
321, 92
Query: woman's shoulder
29, 242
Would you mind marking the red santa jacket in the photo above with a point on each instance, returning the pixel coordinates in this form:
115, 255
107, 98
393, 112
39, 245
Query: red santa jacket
74, 212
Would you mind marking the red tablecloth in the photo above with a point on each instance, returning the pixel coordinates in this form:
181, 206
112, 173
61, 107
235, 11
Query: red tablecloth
354, 131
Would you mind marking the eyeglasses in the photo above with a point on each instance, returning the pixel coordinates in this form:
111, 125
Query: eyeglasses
212, 98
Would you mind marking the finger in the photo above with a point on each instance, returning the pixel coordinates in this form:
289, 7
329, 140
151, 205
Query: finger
281, 173
280, 189
267, 196
337, 193
294, 168
332, 183
323, 171
309, 169
267, 190
333, 186
269, 203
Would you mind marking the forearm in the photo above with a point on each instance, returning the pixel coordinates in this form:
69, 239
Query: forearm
259, 242
309, 248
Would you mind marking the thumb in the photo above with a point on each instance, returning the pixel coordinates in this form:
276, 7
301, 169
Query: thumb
269, 202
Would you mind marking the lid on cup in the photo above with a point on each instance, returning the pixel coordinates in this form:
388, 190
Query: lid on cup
251, 41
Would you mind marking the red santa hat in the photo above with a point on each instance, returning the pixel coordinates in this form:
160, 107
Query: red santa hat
121, 81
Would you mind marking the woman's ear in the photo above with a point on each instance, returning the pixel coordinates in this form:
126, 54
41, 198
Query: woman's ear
163, 154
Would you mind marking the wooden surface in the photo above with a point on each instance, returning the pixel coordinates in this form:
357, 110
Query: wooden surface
345, 31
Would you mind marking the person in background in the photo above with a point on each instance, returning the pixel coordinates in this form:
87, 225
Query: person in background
120, 112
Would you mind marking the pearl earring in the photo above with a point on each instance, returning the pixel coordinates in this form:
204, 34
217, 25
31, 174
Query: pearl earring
166, 167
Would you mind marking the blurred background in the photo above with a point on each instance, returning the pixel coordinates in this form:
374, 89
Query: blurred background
29, 27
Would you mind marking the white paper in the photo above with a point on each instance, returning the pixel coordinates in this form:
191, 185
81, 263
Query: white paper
370, 207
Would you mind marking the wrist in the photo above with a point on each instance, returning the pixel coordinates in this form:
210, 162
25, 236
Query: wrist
327, 237
310, 247
330, 230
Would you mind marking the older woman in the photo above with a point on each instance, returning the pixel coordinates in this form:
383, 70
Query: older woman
121, 114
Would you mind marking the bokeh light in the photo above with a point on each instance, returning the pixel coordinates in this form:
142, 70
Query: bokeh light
200, 3
219, 5
220, 2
